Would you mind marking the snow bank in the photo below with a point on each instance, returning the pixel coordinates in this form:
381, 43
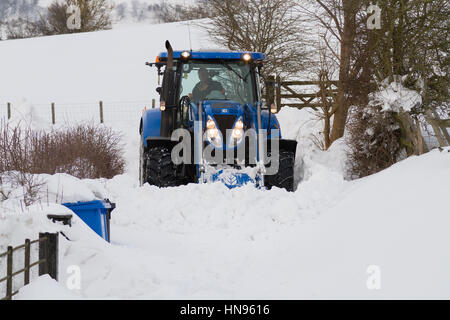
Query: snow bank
45, 288
306, 127
205, 241
58, 188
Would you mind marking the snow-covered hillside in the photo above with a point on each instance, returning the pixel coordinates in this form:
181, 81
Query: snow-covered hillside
205, 241
108, 65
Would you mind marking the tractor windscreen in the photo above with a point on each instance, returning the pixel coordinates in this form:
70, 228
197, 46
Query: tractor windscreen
225, 80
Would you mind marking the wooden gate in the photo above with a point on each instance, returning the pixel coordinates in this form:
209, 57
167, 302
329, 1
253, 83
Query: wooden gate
300, 94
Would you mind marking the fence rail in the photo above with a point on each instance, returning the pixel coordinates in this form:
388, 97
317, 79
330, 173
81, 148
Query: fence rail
47, 262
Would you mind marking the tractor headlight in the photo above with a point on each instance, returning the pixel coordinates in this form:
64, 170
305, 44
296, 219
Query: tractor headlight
210, 124
239, 124
212, 133
238, 132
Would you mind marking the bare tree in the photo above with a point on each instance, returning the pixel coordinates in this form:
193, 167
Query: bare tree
340, 19
269, 26
95, 15
327, 98
167, 12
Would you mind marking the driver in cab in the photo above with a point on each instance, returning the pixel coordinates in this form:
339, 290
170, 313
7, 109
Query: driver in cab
205, 86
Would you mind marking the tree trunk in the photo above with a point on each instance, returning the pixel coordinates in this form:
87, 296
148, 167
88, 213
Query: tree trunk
347, 39
409, 139
422, 146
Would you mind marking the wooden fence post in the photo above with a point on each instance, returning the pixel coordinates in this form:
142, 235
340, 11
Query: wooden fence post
48, 250
9, 271
9, 110
27, 262
53, 113
101, 111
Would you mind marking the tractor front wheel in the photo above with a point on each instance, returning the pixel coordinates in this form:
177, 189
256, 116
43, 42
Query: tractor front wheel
160, 171
284, 177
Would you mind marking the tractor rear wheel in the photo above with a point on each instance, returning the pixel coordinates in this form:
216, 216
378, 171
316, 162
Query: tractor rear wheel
160, 171
284, 178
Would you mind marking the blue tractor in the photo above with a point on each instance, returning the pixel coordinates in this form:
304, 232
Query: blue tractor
213, 125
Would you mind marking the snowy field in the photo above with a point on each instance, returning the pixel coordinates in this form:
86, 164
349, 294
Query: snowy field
205, 241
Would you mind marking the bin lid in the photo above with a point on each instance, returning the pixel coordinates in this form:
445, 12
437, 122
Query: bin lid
89, 205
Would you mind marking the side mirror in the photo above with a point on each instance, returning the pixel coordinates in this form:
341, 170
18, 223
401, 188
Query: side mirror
159, 89
271, 86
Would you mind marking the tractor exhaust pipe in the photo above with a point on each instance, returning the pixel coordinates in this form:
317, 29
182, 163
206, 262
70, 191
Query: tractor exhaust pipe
168, 96
169, 55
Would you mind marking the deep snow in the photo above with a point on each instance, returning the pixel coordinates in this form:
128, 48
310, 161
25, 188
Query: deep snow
205, 241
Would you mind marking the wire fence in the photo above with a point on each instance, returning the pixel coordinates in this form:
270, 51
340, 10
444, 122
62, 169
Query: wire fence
115, 113
107, 112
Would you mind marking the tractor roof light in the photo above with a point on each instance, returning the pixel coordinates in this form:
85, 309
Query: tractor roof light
185, 55
247, 57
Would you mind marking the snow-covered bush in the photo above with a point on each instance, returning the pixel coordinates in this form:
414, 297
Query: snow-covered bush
83, 151
374, 141
381, 131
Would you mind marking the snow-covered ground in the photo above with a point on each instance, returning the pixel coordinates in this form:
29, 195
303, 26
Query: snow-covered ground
205, 241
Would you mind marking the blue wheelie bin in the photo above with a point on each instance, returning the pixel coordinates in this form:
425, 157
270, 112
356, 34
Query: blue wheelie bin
96, 214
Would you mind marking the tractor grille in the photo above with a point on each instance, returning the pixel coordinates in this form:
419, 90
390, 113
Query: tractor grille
225, 122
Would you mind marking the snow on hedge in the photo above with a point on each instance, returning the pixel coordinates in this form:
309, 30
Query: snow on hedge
393, 96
